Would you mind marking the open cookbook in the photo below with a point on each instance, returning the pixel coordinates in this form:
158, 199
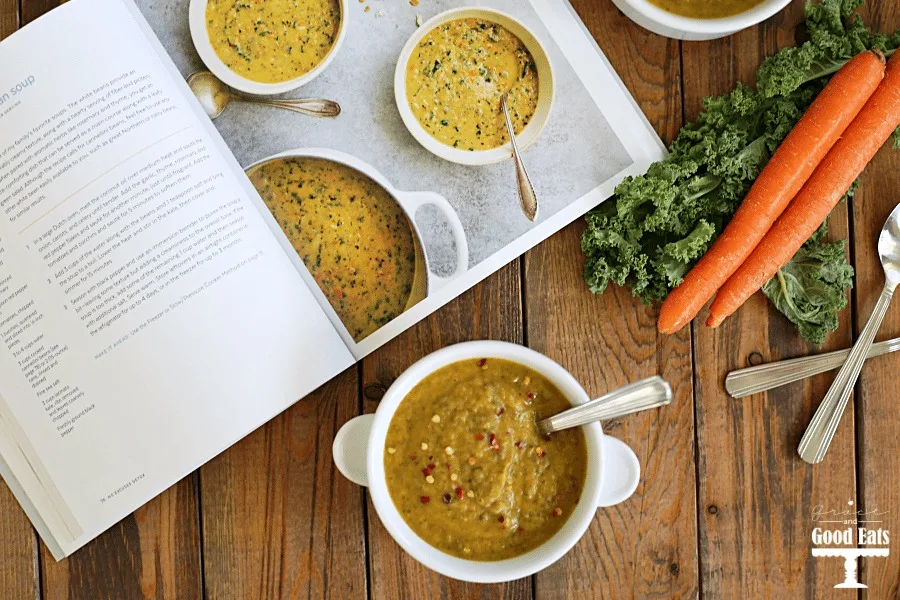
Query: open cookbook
167, 284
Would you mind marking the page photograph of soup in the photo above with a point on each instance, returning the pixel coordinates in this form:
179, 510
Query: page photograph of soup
456, 75
383, 229
351, 234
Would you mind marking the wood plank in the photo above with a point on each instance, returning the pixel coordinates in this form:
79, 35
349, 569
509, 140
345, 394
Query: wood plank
491, 310
278, 520
877, 441
152, 554
646, 546
18, 550
755, 494
32, 9
18, 542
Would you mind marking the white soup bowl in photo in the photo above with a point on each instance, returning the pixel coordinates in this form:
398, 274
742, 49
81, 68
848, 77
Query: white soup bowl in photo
613, 471
200, 36
657, 20
545, 88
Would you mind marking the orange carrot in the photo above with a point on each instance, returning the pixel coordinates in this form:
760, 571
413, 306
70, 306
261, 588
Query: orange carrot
831, 180
790, 167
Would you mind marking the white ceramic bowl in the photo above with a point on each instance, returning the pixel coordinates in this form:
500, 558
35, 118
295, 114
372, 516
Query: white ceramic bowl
200, 36
613, 471
545, 88
675, 26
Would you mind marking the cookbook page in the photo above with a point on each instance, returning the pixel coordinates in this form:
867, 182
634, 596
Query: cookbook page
148, 317
457, 222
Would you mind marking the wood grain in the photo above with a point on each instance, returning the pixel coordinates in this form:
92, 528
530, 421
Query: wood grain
18, 542
756, 495
18, 550
491, 310
878, 445
645, 547
152, 554
278, 520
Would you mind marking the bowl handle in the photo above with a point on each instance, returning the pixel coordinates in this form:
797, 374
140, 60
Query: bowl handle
621, 472
350, 450
416, 199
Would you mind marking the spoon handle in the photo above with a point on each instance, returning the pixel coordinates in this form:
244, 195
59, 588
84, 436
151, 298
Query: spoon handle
315, 107
527, 197
760, 378
634, 397
820, 432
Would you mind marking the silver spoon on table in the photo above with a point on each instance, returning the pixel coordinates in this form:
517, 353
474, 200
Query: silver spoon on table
214, 95
741, 383
820, 432
634, 397
527, 197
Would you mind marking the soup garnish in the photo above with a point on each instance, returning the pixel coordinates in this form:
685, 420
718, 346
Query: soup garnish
467, 468
271, 41
350, 233
456, 75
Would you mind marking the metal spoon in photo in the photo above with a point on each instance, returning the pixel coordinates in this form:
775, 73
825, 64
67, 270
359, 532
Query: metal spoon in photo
214, 96
527, 197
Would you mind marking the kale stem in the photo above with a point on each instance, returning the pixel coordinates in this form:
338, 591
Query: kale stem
838, 66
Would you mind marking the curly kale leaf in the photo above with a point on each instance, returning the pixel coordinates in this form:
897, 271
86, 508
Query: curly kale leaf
812, 288
661, 222
836, 34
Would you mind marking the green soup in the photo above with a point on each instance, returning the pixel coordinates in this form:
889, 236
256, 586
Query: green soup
467, 468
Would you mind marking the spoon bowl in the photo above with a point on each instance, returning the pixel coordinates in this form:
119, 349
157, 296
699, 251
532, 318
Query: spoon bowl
889, 247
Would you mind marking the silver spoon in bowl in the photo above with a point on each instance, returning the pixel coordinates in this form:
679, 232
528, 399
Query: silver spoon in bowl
821, 429
634, 397
527, 197
214, 96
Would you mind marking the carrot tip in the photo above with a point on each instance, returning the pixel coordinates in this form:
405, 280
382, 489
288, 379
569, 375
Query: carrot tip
713, 321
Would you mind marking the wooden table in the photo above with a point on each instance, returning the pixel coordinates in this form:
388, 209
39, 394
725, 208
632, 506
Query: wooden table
723, 508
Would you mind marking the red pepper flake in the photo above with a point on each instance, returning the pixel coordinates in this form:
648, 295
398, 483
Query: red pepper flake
431, 466
495, 443
460, 493
425, 499
426, 472
540, 452
557, 511
479, 436
482, 362
501, 518
412, 457
520, 444
530, 395
521, 530
500, 412
446, 498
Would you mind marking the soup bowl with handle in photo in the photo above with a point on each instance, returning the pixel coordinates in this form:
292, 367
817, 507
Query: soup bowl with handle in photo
425, 281
613, 471
543, 67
